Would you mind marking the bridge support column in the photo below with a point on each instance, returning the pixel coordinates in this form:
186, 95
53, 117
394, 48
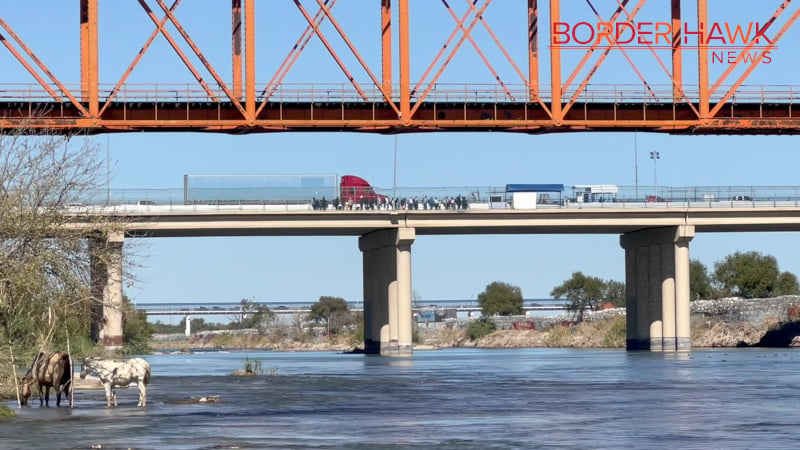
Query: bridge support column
657, 288
387, 291
106, 272
188, 324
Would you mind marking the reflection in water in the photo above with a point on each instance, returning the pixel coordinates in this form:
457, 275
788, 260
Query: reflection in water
401, 362
473, 399
678, 356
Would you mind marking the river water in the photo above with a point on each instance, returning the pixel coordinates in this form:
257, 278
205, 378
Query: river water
445, 399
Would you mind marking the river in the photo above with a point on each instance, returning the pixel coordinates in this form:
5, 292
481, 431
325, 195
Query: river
445, 399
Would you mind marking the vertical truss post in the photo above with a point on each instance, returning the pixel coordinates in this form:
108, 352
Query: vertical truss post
386, 46
533, 50
236, 44
677, 48
89, 52
702, 60
405, 69
250, 58
555, 62
84, 21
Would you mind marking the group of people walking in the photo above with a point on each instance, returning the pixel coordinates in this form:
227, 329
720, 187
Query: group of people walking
458, 202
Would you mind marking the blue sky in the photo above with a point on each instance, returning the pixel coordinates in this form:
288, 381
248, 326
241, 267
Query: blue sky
303, 269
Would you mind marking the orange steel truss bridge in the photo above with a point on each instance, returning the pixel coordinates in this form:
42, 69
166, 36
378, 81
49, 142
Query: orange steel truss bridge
399, 79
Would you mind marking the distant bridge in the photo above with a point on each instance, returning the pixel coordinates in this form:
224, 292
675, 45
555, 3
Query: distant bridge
233, 308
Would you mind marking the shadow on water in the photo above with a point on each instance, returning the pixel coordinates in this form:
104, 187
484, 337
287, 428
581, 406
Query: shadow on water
781, 337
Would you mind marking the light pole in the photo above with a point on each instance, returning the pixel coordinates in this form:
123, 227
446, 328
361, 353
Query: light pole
655, 156
394, 182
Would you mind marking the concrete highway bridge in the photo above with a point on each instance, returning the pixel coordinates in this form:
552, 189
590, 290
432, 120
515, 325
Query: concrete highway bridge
655, 240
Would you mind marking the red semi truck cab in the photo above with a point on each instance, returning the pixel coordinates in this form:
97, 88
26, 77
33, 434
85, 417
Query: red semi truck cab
357, 190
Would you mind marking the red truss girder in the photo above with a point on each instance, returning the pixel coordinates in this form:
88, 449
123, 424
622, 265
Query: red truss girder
386, 99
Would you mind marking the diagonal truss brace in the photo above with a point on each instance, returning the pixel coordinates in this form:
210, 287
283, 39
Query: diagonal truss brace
288, 62
378, 84
41, 66
590, 51
113, 94
333, 53
533, 90
177, 49
202, 58
756, 62
30, 69
477, 47
496, 41
440, 53
465, 33
603, 56
747, 48
677, 86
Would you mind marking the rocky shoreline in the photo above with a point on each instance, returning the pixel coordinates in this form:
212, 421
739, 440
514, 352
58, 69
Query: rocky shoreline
727, 322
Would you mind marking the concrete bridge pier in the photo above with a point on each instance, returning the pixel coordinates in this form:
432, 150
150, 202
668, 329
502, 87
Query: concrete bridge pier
105, 253
188, 321
387, 291
657, 288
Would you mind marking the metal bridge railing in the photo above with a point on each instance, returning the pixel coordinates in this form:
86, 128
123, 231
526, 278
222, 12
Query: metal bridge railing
439, 93
474, 197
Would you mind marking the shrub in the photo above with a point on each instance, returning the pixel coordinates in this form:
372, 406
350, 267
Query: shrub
615, 333
6, 412
357, 337
253, 366
478, 329
558, 336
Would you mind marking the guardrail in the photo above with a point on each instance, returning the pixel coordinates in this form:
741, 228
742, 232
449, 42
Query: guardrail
187, 93
476, 197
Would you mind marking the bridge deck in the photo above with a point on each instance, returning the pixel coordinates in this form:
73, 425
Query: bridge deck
763, 109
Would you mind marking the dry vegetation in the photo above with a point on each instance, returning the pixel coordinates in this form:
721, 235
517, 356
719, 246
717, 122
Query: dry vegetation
606, 333
46, 295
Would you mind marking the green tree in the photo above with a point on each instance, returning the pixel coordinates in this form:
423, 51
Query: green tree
136, 331
582, 292
787, 284
700, 283
500, 298
614, 292
753, 275
251, 315
333, 312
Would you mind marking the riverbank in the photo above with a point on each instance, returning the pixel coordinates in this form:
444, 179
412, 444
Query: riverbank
729, 322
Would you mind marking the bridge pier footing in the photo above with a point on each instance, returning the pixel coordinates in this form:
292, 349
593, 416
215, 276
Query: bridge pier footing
657, 288
387, 291
105, 253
